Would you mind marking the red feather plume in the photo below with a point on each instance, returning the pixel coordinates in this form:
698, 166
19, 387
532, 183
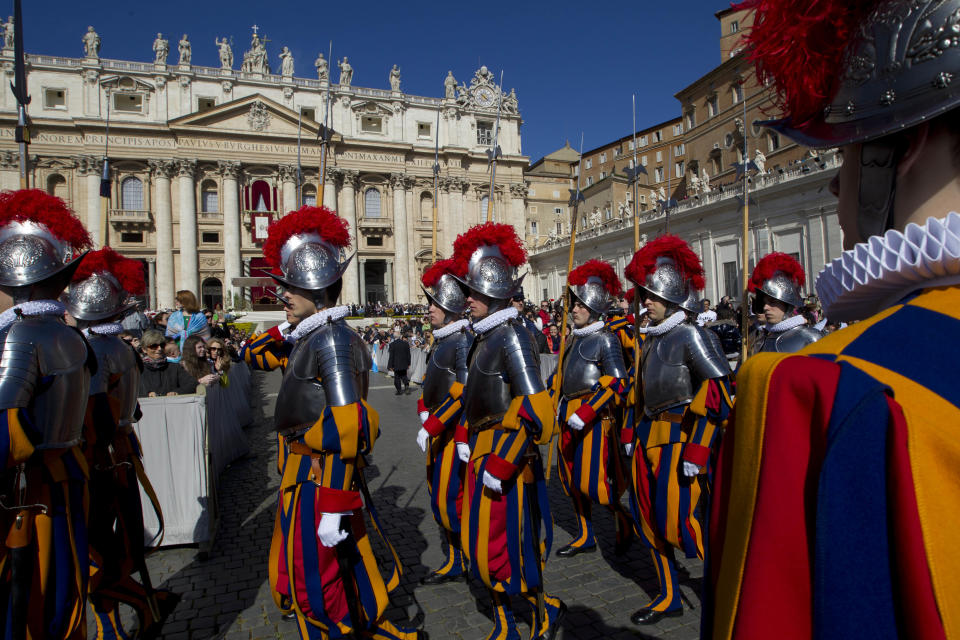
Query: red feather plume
799, 45
127, 271
628, 296
770, 264
50, 211
437, 270
600, 269
489, 233
306, 219
644, 261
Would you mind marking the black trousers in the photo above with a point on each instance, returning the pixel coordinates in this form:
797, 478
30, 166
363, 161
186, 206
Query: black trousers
398, 376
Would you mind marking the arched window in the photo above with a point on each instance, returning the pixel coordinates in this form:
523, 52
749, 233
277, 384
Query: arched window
57, 186
209, 197
131, 194
426, 207
309, 195
371, 203
484, 205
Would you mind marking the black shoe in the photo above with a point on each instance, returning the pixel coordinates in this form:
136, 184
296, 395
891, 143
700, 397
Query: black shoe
554, 627
622, 546
407, 390
652, 616
398, 392
439, 578
569, 551
289, 616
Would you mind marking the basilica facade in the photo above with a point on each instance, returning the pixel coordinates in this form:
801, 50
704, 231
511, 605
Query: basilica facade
201, 159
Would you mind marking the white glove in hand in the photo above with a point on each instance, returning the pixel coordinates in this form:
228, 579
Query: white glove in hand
492, 482
575, 422
422, 438
690, 469
463, 451
628, 448
423, 416
329, 530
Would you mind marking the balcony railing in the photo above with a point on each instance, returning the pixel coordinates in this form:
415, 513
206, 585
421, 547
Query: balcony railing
129, 215
210, 216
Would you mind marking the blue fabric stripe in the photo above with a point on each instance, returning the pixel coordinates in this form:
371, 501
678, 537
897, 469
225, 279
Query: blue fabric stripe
545, 514
661, 485
368, 599
853, 579
454, 485
303, 500
4, 438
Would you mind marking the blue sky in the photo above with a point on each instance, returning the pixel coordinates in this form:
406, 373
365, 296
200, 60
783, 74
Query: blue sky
574, 64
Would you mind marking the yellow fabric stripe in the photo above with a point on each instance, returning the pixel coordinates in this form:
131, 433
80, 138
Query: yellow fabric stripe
587, 454
456, 390
672, 532
376, 580
20, 446
753, 383
465, 514
484, 444
516, 448
446, 463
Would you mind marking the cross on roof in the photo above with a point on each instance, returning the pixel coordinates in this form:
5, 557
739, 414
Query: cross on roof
254, 27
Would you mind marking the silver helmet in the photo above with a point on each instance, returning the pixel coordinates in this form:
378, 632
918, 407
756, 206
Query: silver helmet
899, 69
29, 254
447, 294
593, 294
667, 282
99, 297
489, 273
779, 287
692, 304
310, 262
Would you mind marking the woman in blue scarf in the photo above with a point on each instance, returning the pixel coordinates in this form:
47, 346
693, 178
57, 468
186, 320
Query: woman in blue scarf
187, 320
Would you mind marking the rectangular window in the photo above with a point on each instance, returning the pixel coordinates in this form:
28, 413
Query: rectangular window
55, 98
533, 227
308, 113
677, 129
773, 141
559, 228
735, 26
576, 170
532, 191
484, 132
691, 120
589, 180
631, 145
371, 124
658, 174
737, 92
643, 141
131, 237
731, 281
658, 136
603, 157
712, 106
210, 201
679, 150
643, 160
210, 237
678, 170
603, 174
659, 156
556, 194
128, 102
205, 104
589, 163
423, 130
533, 208
375, 241
558, 211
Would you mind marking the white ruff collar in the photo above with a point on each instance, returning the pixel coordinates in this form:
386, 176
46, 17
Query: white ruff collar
590, 328
106, 329
319, 318
877, 273
453, 327
495, 319
32, 308
674, 320
784, 325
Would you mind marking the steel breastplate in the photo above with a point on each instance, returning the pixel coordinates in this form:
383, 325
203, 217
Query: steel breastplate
581, 365
116, 361
301, 398
487, 394
446, 364
676, 364
48, 351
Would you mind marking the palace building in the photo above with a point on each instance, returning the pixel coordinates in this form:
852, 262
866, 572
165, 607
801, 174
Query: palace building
202, 158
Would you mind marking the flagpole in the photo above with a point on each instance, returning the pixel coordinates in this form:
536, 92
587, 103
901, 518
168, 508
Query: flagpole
744, 255
325, 132
493, 154
19, 87
636, 178
105, 179
436, 184
299, 166
575, 198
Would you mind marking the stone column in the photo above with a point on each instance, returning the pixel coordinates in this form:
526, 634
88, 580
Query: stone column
363, 280
231, 226
152, 283
518, 193
330, 190
189, 267
401, 249
288, 178
388, 281
90, 167
162, 171
348, 210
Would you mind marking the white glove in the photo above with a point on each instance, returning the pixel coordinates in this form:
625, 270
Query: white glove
575, 423
628, 448
463, 451
423, 416
329, 530
690, 469
422, 438
284, 327
492, 482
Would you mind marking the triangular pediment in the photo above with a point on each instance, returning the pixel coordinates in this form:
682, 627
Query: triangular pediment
254, 114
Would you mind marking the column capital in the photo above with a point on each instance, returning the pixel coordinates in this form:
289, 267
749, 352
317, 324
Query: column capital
86, 165
162, 168
228, 169
397, 180
351, 178
333, 175
288, 173
9, 160
519, 190
186, 168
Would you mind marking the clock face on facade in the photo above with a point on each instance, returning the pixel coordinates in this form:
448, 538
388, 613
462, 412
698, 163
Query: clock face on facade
484, 96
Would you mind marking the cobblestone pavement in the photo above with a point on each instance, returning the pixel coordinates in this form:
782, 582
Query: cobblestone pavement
226, 595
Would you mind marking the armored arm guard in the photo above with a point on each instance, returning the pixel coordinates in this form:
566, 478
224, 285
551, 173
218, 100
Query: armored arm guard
705, 357
611, 357
521, 362
337, 365
462, 363
711, 404
19, 371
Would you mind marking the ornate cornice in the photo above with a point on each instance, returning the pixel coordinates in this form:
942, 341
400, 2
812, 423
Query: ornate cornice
288, 173
228, 169
350, 177
186, 168
89, 165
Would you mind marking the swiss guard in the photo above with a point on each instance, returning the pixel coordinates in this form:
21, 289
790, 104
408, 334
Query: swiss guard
440, 407
776, 284
592, 386
45, 375
684, 399
322, 567
506, 526
836, 504
98, 299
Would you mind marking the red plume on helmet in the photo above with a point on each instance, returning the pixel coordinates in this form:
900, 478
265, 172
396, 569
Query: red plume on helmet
437, 270
34, 205
489, 233
128, 272
644, 261
320, 220
770, 264
799, 45
600, 269
629, 295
